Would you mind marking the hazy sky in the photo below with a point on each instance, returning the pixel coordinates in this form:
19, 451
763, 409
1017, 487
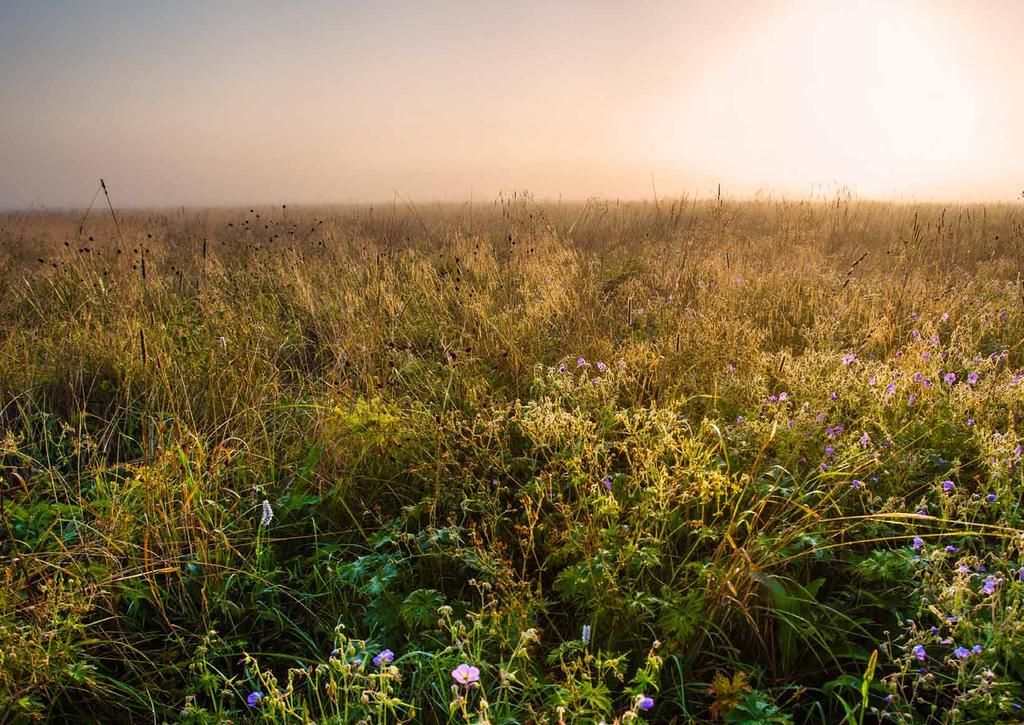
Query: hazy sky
315, 101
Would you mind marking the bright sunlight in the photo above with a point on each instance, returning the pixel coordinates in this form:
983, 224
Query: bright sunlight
860, 94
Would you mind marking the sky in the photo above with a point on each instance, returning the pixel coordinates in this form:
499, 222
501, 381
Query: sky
320, 101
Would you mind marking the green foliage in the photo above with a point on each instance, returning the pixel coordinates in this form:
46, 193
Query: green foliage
586, 458
756, 708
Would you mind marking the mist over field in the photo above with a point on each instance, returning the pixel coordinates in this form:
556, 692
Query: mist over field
447, 363
238, 103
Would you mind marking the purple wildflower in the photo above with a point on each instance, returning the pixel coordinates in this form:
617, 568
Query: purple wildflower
580, 362
918, 542
977, 649
970, 422
919, 652
962, 653
267, 513
384, 658
972, 378
254, 698
855, 484
991, 498
601, 367
947, 486
645, 703
849, 358
608, 484
824, 468
890, 388
865, 441
950, 378
989, 587
829, 451
466, 674
950, 549
783, 396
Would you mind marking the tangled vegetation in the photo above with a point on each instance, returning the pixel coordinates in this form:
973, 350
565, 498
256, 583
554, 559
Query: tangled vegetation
518, 462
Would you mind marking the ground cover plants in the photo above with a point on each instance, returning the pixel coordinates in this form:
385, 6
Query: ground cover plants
695, 460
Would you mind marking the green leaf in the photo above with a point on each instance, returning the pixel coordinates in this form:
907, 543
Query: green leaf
420, 608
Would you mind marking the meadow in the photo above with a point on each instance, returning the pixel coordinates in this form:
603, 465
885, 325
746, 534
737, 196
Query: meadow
679, 461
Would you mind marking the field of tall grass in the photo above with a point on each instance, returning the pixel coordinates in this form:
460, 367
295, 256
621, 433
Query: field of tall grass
686, 461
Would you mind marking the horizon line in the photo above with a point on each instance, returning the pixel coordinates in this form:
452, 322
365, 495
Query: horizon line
522, 195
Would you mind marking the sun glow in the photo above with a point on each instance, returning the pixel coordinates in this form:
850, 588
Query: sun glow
196, 103
870, 95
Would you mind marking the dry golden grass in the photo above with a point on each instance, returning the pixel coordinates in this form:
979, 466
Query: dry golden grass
388, 379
